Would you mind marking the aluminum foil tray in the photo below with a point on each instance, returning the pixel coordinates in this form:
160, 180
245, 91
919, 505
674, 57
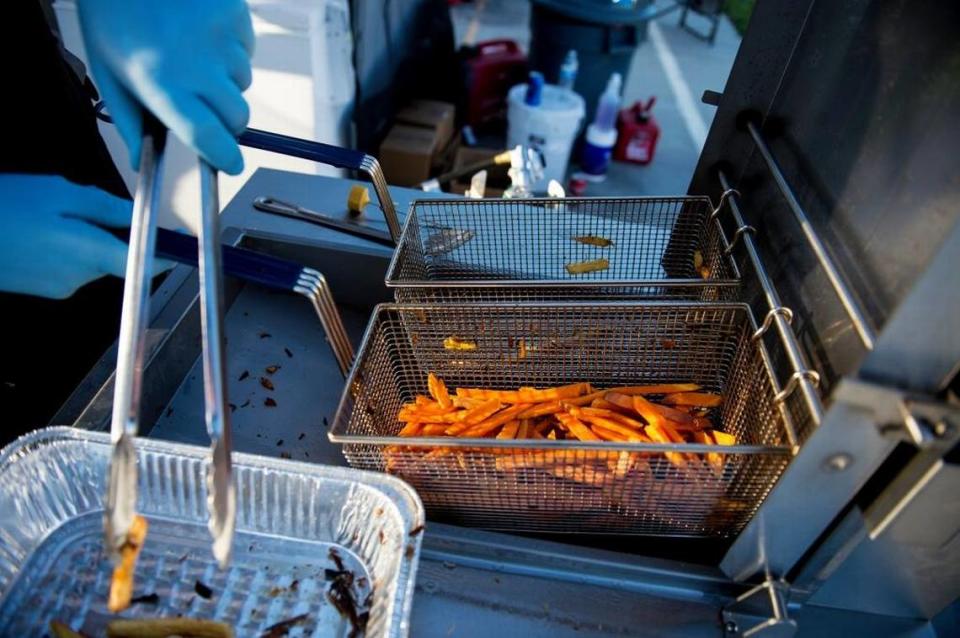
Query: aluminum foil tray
291, 517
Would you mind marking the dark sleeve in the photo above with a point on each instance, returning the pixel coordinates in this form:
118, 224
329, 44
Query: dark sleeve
47, 346
48, 112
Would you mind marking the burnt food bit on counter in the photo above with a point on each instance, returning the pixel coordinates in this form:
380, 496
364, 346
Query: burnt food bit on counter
279, 442
244, 375
202, 590
283, 627
285, 455
267, 383
146, 599
272, 369
270, 403
265, 335
301, 435
287, 351
245, 403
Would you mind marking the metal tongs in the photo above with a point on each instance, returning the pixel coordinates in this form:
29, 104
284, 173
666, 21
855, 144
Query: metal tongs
122, 480
221, 488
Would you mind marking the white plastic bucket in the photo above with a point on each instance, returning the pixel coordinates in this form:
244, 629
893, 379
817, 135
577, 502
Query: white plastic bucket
551, 127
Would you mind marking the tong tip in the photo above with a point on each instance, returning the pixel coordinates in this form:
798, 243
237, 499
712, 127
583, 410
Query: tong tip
121, 495
221, 502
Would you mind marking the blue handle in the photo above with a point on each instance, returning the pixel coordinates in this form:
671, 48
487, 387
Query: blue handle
241, 263
304, 149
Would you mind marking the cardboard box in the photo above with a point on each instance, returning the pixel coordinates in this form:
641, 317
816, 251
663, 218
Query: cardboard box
430, 114
443, 160
407, 153
497, 178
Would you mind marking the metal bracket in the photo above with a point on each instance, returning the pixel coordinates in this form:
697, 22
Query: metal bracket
736, 237
934, 427
810, 375
761, 611
783, 311
723, 198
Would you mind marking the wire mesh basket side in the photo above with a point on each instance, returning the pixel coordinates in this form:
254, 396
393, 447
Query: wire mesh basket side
430, 293
507, 244
582, 491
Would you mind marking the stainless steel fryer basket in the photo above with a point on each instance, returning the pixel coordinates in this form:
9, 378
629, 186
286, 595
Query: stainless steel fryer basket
514, 250
570, 486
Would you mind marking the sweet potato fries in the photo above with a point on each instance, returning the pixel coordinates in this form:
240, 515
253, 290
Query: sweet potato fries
577, 411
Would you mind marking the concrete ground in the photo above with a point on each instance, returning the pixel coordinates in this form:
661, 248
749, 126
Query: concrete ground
671, 64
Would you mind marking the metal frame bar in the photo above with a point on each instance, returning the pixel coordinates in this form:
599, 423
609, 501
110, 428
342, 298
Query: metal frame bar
846, 296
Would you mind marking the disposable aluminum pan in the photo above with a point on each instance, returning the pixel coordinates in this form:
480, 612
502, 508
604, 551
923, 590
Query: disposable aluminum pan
293, 521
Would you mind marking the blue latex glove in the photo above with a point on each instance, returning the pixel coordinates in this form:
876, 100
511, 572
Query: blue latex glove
187, 61
48, 247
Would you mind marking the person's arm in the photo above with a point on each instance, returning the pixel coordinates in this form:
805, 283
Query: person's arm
187, 61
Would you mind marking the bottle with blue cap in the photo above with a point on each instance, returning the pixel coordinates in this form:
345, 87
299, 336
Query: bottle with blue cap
534, 89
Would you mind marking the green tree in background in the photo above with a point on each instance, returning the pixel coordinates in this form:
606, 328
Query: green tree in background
739, 12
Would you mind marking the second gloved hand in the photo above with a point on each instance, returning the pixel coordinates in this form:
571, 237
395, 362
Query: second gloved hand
187, 61
49, 243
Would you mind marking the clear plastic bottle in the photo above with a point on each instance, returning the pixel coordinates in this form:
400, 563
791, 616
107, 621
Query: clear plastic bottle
602, 133
568, 70
609, 104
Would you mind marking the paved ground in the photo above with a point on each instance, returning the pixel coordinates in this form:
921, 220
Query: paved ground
672, 64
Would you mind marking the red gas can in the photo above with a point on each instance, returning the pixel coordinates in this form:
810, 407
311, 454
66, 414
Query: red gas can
492, 67
638, 133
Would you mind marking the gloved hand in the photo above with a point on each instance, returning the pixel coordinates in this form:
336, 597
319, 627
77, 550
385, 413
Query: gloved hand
48, 247
187, 61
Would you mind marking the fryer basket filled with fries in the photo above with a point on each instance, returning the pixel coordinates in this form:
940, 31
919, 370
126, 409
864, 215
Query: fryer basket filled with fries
655, 418
550, 250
